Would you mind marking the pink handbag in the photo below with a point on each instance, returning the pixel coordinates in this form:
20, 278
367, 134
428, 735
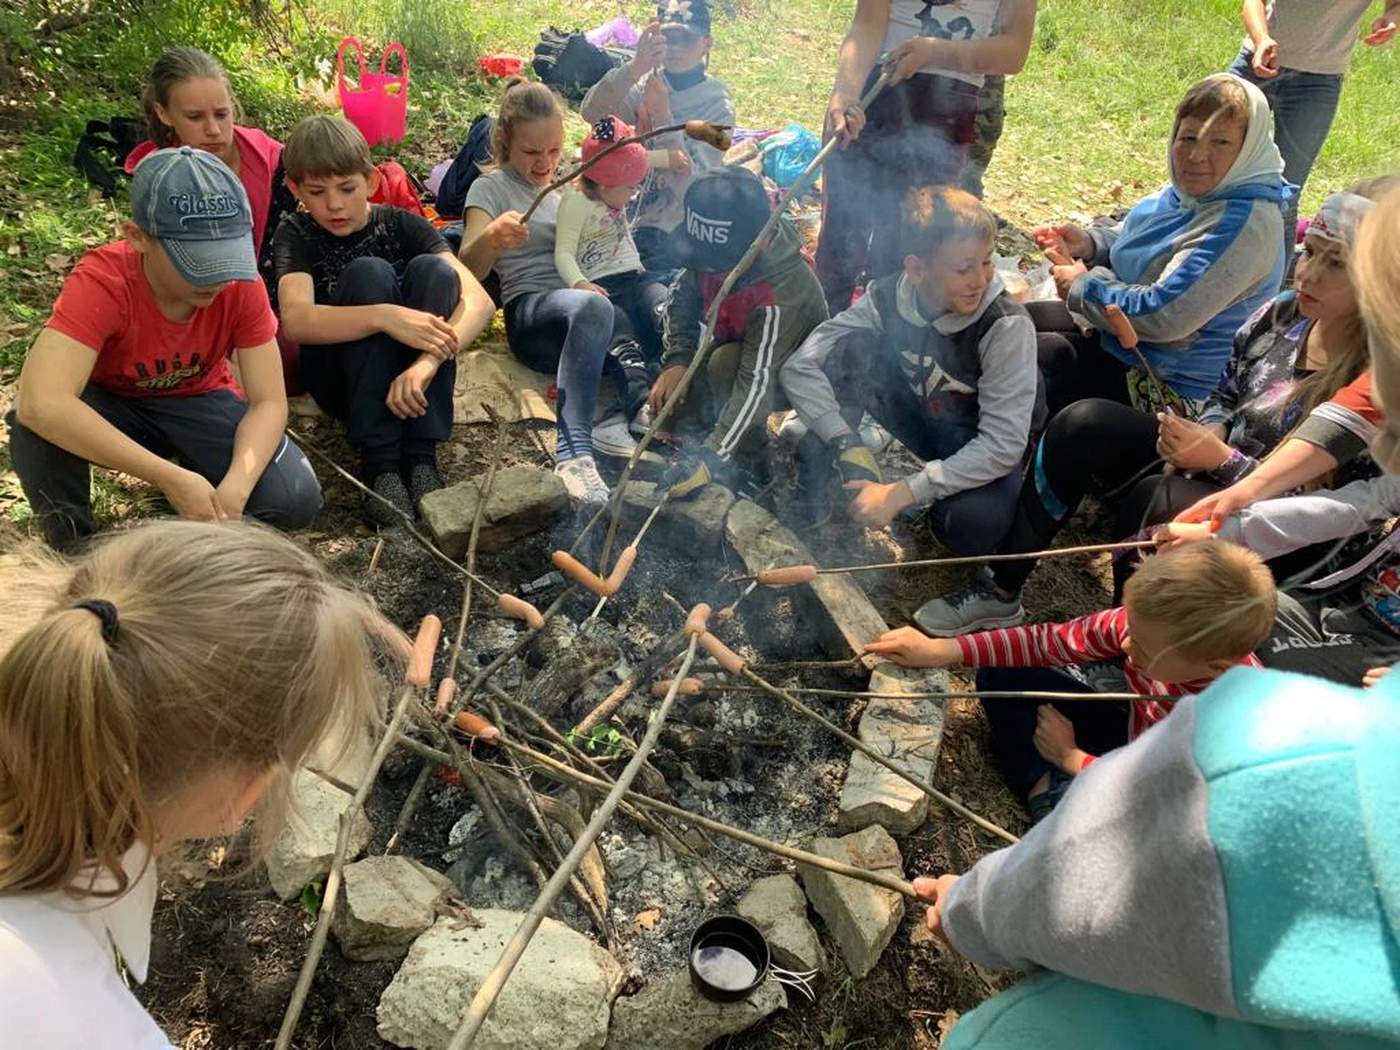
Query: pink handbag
379, 105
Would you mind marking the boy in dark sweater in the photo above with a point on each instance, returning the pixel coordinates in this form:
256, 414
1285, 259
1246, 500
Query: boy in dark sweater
380, 306
942, 357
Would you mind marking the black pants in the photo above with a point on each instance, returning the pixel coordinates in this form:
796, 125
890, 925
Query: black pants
351, 380
640, 298
1092, 447
1075, 364
196, 431
917, 133
866, 377
1099, 725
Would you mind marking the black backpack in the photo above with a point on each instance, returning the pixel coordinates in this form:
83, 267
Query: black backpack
466, 166
571, 65
103, 147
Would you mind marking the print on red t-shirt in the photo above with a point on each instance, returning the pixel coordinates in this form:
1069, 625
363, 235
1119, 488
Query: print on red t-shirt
106, 304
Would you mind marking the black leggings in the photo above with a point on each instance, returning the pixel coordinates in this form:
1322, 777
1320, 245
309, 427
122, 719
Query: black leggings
1075, 364
1093, 447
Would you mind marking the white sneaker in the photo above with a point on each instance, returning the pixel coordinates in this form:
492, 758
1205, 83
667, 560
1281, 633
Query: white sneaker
582, 481
792, 429
873, 436
610, 437
641, 422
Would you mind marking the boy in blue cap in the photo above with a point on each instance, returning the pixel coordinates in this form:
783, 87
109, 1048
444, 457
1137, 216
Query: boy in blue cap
132, 370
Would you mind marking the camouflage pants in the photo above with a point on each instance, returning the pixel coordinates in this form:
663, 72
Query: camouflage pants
991, 116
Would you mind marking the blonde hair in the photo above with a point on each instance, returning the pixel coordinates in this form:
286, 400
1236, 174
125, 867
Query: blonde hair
934, 215
232, 647
1216, 600
1220, 95
326, 147
522, 102
1375, 271
175, 66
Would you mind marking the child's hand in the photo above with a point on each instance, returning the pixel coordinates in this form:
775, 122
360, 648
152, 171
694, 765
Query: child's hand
408, 393
664, 387
1383, 29
1265, 61
1219, 506
1373, 676
233, 497
1176, 534
589, 286
934, 892
506, 231
678, 161
656, 101
420, 330
192, 497
651, 49
1063, 270
876, 504
1067, 239
910, 647
1054, 739
1187, 445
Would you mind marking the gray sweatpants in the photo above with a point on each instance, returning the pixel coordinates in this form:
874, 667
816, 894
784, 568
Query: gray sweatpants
1328, 635
196, 431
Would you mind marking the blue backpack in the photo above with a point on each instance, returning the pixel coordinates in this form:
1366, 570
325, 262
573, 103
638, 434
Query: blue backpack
466, 166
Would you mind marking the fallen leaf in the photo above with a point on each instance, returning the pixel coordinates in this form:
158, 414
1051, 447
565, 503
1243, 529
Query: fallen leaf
647, 920
58, 262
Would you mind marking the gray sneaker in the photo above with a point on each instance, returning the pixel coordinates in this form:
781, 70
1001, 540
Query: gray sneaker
978, 606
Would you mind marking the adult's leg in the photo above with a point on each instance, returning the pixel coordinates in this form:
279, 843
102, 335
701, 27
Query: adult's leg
200, 431
58, 484
1092, 446
1099, 725
1074, 364
567, 332
431, 284
1304, 105
1329, 636
975, 521
853, 198
1155, 500
991, 119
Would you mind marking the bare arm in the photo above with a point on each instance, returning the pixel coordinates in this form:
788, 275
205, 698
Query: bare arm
860, 48
474, 310
477, 252
50, 404
260, 431
1294, 463
1256, 21
307, 321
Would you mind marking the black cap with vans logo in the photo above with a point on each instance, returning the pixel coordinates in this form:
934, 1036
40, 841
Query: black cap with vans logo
724, 211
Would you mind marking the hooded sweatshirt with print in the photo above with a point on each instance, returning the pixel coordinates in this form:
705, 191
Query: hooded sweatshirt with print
1229, 881
1190, 271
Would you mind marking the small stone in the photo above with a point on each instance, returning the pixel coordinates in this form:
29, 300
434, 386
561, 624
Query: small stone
385, 903
693, 526
305, 848
669, 1014
523, 499
558, 996
777, 907
861, 918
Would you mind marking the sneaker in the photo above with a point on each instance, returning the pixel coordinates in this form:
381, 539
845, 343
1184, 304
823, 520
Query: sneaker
610, 438
390, 486
978, 606
792, 429
582, 481
423, 478
873, 436
641, 422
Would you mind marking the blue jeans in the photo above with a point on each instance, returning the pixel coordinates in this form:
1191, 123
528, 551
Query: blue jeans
1303, 105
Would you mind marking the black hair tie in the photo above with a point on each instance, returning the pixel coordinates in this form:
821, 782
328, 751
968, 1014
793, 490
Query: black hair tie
104, 611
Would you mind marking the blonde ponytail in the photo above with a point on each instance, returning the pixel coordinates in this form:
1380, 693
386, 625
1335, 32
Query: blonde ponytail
1375, 271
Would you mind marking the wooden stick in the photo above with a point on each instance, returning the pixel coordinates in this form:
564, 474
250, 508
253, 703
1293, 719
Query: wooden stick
495, 981
969, 694
620, 692
869, 752
428, 632
803, 180
553, 767
716, 132
973, 559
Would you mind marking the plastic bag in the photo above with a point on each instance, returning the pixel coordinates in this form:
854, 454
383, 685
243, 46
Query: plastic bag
787, 152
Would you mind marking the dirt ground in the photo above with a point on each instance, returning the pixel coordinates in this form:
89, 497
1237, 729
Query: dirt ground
227, 953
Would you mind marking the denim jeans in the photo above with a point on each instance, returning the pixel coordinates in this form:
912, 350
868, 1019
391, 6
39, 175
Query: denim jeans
1303, 105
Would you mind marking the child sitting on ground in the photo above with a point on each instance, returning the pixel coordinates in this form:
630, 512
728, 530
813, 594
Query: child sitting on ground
380, 306
941, 356
133, 366
1187, 617
773, 306
593, 246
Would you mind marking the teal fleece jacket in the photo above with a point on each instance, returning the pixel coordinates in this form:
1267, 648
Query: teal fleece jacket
1230, 880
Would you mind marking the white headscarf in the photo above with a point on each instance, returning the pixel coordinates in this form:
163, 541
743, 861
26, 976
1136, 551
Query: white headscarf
1259, 159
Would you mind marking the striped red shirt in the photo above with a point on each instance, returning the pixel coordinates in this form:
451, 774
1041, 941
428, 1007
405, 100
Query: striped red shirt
1086, 640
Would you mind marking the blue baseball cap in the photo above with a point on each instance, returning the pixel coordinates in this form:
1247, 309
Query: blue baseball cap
192, 202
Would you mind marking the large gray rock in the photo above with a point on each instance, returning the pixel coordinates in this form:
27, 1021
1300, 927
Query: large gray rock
523, 499
385, 903
860, 917
694, 526
907, 731
835, 606
777, 907
558, 997
305, 848
669, 1014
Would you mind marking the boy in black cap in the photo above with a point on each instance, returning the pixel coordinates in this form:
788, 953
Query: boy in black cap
772, 308
132, 370
667, 82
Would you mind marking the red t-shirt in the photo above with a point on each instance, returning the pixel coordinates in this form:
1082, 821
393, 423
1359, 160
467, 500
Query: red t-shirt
106, 304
